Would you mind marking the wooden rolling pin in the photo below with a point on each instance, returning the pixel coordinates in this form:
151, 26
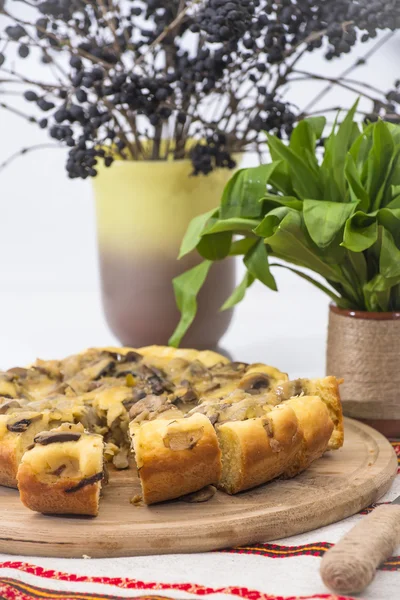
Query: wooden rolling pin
350, 565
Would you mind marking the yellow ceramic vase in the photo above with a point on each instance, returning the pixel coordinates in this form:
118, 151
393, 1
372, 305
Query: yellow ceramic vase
143, 209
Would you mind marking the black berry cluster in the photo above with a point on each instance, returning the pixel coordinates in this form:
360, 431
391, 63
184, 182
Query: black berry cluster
211, 154
226, 20
275, 117
141, 71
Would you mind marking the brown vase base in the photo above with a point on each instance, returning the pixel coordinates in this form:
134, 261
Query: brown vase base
388, 427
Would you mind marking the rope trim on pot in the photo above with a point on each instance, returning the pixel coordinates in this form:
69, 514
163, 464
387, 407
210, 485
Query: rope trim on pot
366, 352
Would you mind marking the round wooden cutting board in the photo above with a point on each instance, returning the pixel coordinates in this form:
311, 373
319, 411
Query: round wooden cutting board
336, 486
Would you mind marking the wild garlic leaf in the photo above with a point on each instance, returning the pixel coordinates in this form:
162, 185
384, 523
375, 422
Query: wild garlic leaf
378, 163
395, 297
377, 301
317, 124
360, 232
338, 144
305, 181
361, 147
302, 142
289, 201
241, 247
392, 179
325, 219
215, 246
234, 224
239, 292
394, 132
280, 178
380, 283
270, 222
395, 202
377, 292
357, 190
341, 302
242, 193
298, 211
194, 232
256, 261
359, 266
383, 145
389, 261
186, 288
390, 219
330, 189
290, 243
395, 190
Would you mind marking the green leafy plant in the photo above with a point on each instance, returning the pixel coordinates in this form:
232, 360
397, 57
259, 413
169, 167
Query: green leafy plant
333, 210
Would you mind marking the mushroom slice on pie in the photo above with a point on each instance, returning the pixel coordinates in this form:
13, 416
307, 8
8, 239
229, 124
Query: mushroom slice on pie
17, 431
326, 388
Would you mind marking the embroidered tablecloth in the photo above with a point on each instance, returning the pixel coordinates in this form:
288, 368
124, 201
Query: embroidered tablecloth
284, 570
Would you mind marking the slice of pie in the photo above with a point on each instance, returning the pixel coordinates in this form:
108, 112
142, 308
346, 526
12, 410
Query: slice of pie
63, 471
176, 457
192, 418
285, 441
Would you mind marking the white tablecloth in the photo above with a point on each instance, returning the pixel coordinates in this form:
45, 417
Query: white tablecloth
286, 569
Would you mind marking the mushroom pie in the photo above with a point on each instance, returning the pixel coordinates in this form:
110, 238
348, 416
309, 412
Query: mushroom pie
181, 419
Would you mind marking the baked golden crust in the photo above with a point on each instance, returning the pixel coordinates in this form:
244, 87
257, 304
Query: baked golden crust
316, 426
326, 388
176, 457
52, 498
9, 461
63, 472
284, 442
258, 450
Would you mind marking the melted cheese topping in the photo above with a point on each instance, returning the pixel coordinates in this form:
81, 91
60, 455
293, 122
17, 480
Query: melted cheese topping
100, 386
81, 458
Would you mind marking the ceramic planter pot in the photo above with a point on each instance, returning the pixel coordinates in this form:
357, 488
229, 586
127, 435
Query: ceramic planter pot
364, 349
143, 209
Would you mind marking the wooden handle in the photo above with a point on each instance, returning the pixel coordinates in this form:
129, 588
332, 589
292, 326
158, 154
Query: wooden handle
350, 565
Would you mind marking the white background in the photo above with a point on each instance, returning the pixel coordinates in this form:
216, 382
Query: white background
50, 301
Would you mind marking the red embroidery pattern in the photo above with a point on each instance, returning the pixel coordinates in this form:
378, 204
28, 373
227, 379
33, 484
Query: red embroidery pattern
396, 448
369, 509
278, 551
12, 589
313, 549
15, 588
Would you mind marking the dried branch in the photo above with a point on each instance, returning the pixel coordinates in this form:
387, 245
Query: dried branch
24, 151
333, 81
224, 93
19, 113
171, 27
350, 69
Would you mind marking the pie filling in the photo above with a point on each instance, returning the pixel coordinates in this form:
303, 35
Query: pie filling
106, 390
67, 452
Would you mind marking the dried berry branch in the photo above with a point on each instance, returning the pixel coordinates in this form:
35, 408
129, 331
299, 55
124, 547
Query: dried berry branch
147, 77
24, 151
359, 62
